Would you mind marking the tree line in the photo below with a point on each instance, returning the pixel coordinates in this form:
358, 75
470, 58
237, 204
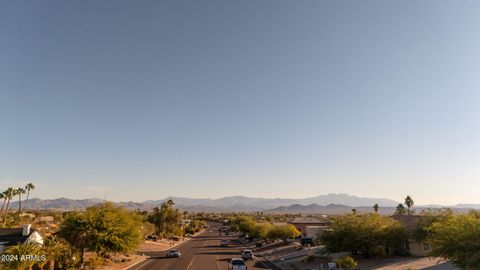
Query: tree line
452, 236
265, 230
104, 229
8, 195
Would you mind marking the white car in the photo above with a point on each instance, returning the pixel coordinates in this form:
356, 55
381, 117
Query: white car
237, 264
174, 254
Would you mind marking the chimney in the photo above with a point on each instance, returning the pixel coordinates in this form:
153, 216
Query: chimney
26, 229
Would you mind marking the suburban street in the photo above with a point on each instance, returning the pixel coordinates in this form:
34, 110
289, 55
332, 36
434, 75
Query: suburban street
201, 253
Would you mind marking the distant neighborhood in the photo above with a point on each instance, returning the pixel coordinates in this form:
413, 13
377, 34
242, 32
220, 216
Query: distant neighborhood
94, 234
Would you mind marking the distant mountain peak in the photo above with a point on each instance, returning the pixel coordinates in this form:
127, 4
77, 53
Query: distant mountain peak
325, 204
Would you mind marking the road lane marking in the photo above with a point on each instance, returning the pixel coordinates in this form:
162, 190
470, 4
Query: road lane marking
148, 261
218, 268
191, 263
205, 243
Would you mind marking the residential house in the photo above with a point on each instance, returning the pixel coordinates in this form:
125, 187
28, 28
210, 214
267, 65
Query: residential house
414, 247
13, 236
309, 226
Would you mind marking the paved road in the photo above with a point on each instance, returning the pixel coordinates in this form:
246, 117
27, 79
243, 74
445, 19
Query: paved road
201, 253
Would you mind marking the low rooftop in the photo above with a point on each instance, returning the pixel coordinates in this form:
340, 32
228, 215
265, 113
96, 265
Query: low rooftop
308, 220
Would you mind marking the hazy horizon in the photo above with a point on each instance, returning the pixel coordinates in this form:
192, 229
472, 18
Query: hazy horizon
127, 102
267, 198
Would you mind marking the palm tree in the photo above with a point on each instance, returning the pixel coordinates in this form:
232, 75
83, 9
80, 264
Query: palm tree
375, 208
9, 193
19, 191
28, 187
55, 248
20, 250
76, 232
409, 203
2, 196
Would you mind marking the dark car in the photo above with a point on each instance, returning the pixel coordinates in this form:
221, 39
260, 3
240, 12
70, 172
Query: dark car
306, 241
151, 237
247, 255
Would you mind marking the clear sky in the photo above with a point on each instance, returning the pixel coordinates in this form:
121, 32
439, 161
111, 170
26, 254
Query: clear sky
135, 100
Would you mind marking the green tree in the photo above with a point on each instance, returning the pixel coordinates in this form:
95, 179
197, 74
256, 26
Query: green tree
104, 229
409, 203
365, 233
28, 188
375, 208
421, 231
347, 263
400, 210
261, 230
167, 219
194, 226
77, 230
456, 238
59, 254
283, 232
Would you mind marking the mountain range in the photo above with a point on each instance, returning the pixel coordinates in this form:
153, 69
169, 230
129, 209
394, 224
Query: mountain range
325, 204
232, 203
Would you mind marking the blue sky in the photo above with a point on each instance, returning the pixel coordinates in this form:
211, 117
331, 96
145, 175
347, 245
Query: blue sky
131, 101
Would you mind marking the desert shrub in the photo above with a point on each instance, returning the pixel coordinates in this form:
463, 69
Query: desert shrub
347, 263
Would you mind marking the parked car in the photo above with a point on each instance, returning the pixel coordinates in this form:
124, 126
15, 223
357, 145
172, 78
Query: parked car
321, 253
306, 241
247, 254
237, 264
224, 243
174, 254
151, 237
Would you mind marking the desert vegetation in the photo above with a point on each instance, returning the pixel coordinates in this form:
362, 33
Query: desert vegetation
264, 230
105, 229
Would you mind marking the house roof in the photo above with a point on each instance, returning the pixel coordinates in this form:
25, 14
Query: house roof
409, 221
307, 220
13, 236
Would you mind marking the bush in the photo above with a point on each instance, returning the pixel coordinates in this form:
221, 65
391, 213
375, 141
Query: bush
174, 238
96, 262
189, 230
379, 251
347, 263
309, 258
455, 238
